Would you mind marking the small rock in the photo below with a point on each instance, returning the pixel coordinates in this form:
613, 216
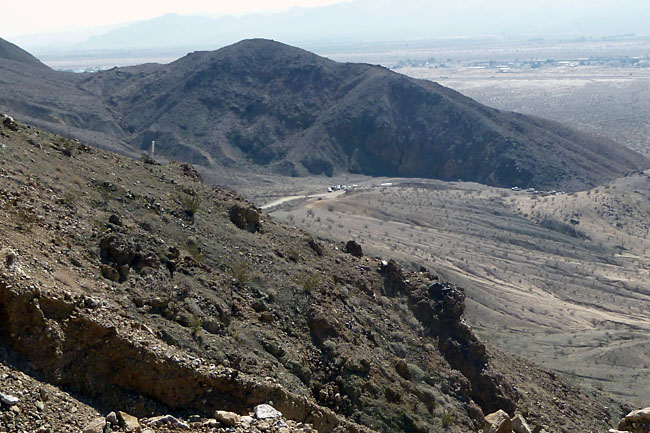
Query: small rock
166, 419
227, 418
497, 422
266, 411
112, 418
8, 399
95, 426
128, 422
40, 405
519, 424
9, 259
92, 302
114, 219
316, 246
211, 423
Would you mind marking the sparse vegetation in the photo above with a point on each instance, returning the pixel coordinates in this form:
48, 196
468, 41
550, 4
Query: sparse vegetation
447, 418
309, 281
190, 203
239, 272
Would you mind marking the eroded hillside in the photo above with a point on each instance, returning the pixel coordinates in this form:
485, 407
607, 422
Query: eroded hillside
267, 107
559, 278
138, 288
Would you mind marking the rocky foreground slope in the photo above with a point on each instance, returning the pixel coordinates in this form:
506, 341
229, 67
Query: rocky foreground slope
134, 287
267, 106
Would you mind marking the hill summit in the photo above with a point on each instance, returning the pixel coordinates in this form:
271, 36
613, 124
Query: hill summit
272, 107
11, 52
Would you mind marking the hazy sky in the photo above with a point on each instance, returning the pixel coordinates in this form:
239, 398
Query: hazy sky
22, 17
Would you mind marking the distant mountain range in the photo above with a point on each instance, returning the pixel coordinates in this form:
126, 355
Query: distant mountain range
281, 109
382, 20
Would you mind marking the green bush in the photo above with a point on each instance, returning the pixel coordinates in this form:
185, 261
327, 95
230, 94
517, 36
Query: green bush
190, 203
447, 418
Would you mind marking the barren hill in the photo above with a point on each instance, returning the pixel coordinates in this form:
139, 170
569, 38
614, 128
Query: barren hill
136, 287
11, 52
263, 104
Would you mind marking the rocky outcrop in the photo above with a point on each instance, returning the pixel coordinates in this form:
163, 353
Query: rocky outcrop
394, 282
9, 122
246, 217
105, 357
500, 422
354, 249
121, 255
637, 421
189, 171
439, 308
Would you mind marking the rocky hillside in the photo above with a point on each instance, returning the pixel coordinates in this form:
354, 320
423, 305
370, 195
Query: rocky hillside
273, 107
135, 287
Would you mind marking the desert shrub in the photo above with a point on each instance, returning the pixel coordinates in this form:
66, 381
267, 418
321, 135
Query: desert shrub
190, 203
69, 198
309, 282
78, 181
195, 252
560, 227
25, 218
148, 159
68, 147
239, 272
447, 418
196, 325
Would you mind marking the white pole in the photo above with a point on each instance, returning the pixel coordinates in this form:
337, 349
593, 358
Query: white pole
153, 148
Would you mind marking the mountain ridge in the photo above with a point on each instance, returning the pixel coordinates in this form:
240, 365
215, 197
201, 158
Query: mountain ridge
273, 107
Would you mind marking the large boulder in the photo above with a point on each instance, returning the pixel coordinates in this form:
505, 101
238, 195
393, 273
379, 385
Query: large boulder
9, 122
520, 425
637, 421
497, 422
245, 217
353, 248
393, 278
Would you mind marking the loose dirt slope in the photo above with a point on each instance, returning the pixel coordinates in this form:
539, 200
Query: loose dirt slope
561, 279
129, 284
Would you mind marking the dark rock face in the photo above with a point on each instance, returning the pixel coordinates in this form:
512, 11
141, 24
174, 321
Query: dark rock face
393, 278
189, 171
316, 246
353, 248
440, 308
295, 113
121, 255
245, 217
